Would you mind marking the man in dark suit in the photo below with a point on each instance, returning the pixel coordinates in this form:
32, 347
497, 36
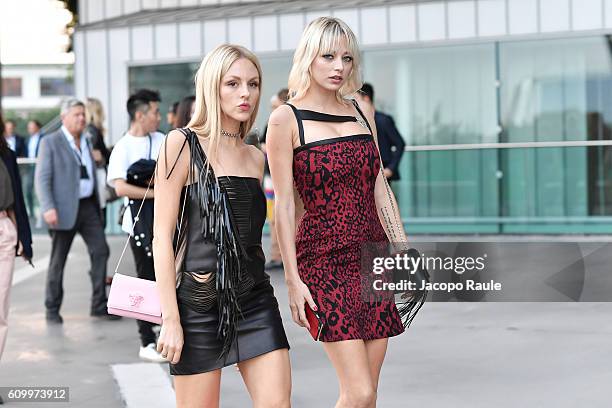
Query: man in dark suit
390, 142
16, 143
66, 187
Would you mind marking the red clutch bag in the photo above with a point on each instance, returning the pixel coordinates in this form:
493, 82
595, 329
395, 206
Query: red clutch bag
315, 322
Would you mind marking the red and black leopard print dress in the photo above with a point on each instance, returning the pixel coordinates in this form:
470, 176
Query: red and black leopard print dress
335, 179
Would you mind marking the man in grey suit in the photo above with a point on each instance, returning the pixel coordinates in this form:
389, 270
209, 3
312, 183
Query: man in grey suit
66, 188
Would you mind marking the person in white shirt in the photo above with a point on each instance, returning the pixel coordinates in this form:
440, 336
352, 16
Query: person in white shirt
142, 141
28, 170
34, 139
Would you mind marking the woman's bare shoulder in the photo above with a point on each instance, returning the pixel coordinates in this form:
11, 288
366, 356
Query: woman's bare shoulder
281, 115
256, 154
175, 138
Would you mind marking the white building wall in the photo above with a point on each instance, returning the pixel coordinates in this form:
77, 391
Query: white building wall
165, 41
96, 71
554, 15
130, 7
523, 17
30, 75
190, 39
101, 67
215, 32
80, 64
92, 11
119, 57
114, 8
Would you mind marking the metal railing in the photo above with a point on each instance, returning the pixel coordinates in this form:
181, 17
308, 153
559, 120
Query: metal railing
506, 145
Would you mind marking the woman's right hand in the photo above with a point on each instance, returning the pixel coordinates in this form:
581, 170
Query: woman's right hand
170, 342
299, 295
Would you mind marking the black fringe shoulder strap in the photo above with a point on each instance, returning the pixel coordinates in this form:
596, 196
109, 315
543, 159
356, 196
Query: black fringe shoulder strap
217, 225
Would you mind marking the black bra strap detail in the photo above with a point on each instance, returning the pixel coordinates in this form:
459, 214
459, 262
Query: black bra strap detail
362, 115
298, 117
325, 117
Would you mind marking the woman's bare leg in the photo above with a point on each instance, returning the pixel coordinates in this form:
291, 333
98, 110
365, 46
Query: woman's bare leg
377, 349
198, 390
268, 379
351, 361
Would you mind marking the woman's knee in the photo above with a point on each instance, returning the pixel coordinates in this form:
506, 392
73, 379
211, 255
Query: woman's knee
188, 400
198, 390
276, 401
362, 397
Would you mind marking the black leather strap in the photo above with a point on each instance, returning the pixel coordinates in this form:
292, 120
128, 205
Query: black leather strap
296, 112
186, 134
362, 115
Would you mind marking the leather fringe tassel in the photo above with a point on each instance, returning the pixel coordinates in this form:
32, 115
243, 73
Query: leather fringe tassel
217, 226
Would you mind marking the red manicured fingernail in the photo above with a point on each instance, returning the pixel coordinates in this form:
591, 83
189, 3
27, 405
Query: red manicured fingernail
314, 308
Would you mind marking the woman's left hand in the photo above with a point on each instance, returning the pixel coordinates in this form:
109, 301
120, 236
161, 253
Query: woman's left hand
21, 252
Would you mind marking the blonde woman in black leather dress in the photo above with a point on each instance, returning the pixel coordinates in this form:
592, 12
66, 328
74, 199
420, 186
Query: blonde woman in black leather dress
223, 310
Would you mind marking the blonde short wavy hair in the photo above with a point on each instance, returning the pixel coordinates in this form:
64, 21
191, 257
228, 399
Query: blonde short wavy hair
94, 113
206, 119
321, 36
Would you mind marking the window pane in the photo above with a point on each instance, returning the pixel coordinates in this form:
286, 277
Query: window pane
557, 90
56, 87
11, 86
172, 81
441, 95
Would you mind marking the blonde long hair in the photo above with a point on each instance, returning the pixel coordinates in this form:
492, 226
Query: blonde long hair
95, 113
206, 118
321, 36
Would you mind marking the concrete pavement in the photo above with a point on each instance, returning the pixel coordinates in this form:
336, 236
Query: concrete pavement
455, 354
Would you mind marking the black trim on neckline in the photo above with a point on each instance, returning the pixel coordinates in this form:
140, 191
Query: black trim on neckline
360, 136
307, 114
240, 177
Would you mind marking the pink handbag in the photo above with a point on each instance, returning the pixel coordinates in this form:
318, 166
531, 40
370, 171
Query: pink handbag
134, 297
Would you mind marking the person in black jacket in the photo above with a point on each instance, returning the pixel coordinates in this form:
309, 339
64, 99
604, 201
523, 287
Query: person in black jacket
23, 225
184, 111
15, 142
95, 131
15, 234
390, 142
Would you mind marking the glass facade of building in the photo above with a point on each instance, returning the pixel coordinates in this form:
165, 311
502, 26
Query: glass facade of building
172, 81
547, 90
